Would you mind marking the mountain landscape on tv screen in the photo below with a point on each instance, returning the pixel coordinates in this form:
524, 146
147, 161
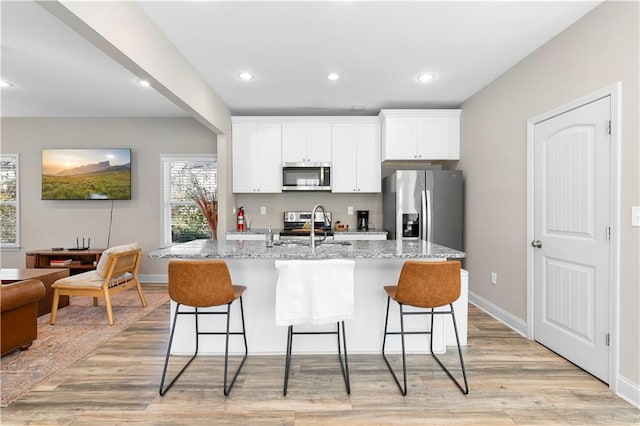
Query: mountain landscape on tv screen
97, 181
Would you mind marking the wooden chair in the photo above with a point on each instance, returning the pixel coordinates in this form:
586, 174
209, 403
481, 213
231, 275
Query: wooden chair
203, 284
121, 274
427, 285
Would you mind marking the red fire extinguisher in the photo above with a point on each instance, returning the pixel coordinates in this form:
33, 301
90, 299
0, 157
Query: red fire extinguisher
240, 219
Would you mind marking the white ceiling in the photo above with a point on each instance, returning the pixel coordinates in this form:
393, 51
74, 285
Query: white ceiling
378, 48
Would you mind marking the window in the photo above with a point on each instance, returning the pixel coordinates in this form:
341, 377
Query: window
9, 202
182, 220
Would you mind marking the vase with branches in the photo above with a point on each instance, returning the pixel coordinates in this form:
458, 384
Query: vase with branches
207, 202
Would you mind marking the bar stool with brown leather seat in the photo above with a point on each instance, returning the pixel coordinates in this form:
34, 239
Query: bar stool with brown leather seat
427, 285
203, 284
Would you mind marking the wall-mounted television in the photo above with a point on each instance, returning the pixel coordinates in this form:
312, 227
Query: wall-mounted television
86, 174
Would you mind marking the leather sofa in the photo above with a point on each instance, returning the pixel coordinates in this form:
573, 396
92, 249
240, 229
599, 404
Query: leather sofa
19, 314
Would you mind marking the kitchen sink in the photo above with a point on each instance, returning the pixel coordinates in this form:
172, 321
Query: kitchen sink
290, 243
335, 243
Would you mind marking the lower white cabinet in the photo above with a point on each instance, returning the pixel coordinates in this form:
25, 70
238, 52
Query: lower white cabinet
355, 163
257, 157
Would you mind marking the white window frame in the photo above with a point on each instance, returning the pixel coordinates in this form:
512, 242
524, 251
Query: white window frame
15, 245
165, 161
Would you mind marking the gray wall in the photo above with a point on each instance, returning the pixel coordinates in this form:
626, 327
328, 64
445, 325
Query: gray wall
46, 224
597, 51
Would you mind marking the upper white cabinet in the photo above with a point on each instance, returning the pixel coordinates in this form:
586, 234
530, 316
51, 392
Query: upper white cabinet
420, 134
257, 157
355, 164
306, 142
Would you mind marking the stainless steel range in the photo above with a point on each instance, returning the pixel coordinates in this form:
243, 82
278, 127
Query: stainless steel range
298, 225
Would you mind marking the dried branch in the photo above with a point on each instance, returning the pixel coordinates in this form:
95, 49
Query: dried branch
207, 202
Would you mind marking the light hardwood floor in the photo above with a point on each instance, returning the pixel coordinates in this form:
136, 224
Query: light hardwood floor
512, 381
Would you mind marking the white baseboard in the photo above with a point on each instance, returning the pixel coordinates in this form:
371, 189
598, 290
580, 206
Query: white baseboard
515, 323
628, 391
154, 278
625, 389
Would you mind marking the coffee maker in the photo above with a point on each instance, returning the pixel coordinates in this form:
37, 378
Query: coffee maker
362, 220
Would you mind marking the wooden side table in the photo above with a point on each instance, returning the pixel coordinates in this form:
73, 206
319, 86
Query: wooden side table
47, 276
81, 260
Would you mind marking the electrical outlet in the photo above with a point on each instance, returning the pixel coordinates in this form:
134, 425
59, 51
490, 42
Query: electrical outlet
350, 210
263, 210
494, 278
635, 216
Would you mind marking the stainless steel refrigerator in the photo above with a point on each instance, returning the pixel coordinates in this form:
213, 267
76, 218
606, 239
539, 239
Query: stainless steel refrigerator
424, 205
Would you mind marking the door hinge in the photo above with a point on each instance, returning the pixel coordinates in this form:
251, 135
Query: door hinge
607, 339
609, 127
608, 233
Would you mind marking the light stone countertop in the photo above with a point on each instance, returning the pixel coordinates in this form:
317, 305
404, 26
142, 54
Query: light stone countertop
383, 249
276, 231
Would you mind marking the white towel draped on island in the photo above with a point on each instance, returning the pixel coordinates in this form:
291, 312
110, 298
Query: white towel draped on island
314, 291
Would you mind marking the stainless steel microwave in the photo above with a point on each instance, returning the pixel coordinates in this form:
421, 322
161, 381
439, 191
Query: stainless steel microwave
306, 176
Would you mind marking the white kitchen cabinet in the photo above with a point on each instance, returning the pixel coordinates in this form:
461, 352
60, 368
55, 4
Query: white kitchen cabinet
306, 142
420, 134
257, 157
355, 164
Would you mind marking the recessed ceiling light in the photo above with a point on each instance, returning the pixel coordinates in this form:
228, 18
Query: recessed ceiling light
333, 76
428, 76
145, 83
5, 84
245, 75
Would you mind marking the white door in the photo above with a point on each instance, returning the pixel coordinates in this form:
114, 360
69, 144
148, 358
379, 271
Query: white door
571, 232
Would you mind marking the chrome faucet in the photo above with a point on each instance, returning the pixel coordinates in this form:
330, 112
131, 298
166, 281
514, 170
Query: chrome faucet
313, 221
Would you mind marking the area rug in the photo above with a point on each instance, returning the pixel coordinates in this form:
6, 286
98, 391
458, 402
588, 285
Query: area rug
79, 329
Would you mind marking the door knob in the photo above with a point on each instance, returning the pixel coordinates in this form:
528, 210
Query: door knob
536, 243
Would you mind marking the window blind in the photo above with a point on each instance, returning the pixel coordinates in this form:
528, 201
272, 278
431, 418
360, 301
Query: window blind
9, 201
182, 220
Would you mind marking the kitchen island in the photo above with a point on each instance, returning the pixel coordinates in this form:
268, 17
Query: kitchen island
377, 263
